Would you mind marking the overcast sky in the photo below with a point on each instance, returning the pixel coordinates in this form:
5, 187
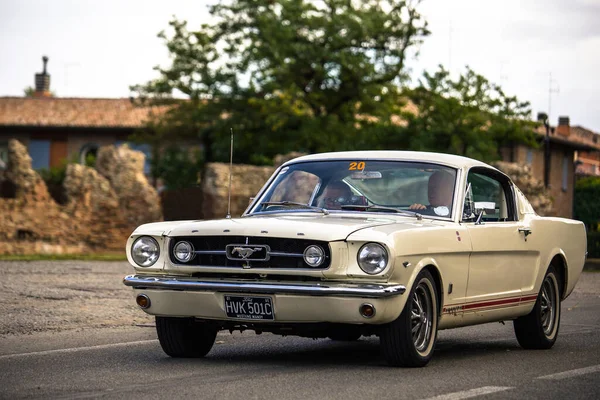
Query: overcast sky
99, 48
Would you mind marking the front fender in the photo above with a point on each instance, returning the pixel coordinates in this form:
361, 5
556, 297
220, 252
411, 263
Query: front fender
410, 271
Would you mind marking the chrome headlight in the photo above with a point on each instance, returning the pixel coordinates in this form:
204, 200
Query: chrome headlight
145, 251
183, 251
314, 256
372, 258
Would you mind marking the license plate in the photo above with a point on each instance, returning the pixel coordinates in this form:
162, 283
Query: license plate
249, 307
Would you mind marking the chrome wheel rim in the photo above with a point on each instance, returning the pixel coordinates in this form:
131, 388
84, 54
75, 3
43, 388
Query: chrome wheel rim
548, 304
421, 317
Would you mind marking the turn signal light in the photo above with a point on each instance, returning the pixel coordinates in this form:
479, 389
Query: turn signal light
367, 310
143, 301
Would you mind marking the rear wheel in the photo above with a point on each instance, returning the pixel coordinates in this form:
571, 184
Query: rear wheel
185, 337
539, 328
410, 339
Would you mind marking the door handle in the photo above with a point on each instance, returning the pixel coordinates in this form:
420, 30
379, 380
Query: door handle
525, 231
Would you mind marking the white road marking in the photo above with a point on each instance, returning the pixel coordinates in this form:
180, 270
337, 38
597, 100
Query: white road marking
76, 349
572, 373
466, 394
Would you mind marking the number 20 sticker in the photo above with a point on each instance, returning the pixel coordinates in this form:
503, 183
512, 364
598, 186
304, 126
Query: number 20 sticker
356, 166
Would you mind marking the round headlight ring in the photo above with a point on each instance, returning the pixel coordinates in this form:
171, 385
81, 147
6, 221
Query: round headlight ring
372, 258
314, 256
183, 251
145, 251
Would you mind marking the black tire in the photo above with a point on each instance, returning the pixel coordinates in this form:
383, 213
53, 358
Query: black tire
185, 337
539, 328
403, 348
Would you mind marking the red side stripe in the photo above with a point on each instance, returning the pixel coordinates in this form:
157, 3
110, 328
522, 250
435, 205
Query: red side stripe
490, 303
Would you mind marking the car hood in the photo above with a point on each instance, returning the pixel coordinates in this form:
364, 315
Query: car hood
318, 227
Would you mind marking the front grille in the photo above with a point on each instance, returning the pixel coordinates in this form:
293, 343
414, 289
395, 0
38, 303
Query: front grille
283, 252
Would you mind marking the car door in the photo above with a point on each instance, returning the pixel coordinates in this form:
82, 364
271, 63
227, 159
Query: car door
501, 256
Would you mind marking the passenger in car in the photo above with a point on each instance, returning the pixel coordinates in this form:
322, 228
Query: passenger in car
440, 189
335, 195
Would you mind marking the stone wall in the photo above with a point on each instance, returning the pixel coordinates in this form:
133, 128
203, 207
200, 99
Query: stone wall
246, 181
103, 206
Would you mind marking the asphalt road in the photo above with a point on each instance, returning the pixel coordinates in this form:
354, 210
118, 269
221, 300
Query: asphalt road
484, 361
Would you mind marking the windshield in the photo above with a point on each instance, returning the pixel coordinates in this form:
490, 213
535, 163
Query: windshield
350, 186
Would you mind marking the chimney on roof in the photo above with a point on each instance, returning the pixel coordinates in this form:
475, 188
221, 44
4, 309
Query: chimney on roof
42, 82
563, 127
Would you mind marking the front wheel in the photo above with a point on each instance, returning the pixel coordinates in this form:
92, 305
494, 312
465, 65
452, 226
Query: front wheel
409, 340
539, 328
185, 337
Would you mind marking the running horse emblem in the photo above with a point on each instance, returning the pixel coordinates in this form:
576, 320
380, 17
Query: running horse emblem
245, 252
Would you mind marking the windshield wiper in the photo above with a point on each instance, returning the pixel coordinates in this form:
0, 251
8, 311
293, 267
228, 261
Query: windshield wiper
294, 204
374, 207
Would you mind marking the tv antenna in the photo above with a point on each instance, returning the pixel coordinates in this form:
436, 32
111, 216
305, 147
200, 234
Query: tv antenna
552, 88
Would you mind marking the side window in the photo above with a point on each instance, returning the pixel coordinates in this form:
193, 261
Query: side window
486, 194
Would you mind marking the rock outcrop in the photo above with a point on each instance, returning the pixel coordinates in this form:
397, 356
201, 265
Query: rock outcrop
94, 218
28, 185
124, 169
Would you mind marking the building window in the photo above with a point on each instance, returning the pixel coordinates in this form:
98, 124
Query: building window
3, 155
87, 154
529, 156
39, 151
565, 173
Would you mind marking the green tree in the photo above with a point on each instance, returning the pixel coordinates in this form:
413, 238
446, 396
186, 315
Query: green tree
286, 75
468, 116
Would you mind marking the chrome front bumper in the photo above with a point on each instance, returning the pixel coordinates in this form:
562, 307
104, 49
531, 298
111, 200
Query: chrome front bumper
309, 289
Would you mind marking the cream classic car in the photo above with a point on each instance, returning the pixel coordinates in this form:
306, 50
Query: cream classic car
342, 245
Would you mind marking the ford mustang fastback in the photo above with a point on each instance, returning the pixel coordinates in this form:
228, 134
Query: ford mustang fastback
391, 244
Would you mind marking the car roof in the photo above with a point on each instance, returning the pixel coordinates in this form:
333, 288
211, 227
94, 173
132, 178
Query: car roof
421, 156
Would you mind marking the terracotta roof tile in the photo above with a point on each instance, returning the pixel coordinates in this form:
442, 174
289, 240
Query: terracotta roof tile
72, 112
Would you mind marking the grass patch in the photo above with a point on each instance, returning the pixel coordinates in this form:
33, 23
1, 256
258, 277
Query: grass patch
59, 257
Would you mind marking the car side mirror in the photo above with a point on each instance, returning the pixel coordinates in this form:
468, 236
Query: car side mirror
485, 206
482, 208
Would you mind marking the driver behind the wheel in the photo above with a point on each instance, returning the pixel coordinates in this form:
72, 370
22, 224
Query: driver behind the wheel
335, 195
440, 189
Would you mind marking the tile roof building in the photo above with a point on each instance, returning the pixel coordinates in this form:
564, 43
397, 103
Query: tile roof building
55, 129
571, 150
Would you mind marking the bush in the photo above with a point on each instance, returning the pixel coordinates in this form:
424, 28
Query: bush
593, 244
54, 178
586, 204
